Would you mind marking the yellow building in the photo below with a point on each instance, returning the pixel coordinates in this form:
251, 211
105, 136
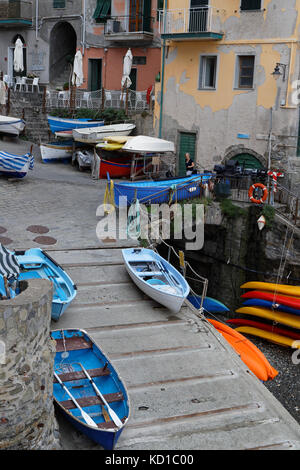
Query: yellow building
228, 78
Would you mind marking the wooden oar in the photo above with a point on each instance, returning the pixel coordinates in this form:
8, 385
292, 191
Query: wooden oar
168, 276
85, 416
113, 415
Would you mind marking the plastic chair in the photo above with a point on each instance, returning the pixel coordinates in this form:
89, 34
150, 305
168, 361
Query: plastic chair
63, 97
108, 97
8, 80
86, 98
21, 84
35, 83
139, 100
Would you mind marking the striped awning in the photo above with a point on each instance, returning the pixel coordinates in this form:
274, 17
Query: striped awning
10, 162
9, 265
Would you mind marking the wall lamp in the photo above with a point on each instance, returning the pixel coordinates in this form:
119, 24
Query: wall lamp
277, 73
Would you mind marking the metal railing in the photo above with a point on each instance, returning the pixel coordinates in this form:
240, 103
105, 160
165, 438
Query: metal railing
129, 24
186, 20
136, 100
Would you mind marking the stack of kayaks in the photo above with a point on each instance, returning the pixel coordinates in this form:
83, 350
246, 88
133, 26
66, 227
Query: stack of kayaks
274, 303
248, 352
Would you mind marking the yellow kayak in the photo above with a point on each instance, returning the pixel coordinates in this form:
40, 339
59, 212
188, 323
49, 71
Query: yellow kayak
109, 146
283, 318
269, 286
272, 337
118, 139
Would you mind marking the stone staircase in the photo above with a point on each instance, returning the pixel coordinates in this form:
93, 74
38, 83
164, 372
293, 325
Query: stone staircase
62, 78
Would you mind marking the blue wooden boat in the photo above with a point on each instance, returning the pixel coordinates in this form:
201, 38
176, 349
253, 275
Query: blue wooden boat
156, 277
270, 305
58, 124
35, 264
16, 166
88, 389
209, 304
159, 192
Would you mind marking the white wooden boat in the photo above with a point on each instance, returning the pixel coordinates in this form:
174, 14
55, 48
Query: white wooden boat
94, 135
146, 144
58, 150
156, 277
11, 125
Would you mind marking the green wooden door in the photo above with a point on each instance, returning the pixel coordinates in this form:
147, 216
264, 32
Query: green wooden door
95, 74
247, 161
187, 143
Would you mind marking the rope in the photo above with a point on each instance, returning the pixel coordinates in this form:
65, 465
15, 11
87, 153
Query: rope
109, 198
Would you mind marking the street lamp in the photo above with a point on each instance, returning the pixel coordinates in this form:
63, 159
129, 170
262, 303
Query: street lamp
277, 73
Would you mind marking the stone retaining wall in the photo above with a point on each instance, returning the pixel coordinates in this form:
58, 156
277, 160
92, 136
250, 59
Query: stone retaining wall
27, 420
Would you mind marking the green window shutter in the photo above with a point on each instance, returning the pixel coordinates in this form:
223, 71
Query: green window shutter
59, 3
102, 9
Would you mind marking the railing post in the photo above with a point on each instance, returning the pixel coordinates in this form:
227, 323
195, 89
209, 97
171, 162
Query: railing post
296, 211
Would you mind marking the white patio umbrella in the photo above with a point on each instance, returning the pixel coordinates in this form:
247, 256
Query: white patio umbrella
77, 77
18, 56
127, 64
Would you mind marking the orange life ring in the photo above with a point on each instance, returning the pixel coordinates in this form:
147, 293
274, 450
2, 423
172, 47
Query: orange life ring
251, 190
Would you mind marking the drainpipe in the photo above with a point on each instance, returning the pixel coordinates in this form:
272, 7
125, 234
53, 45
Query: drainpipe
36, 19
83, 26
162, 78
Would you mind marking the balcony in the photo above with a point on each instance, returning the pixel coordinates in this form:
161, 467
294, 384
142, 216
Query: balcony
199, 23
129, 29
15, 13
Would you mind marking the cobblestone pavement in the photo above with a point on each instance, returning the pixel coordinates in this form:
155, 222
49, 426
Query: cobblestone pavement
56, 196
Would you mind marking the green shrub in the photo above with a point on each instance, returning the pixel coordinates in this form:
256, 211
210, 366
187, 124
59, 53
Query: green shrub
230, 210
269, 213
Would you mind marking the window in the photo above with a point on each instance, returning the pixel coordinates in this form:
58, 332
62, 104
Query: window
250, 4
139, 60
103, 11
246, 71
59, 4
208, 72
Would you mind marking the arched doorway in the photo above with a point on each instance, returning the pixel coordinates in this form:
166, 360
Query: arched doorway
247, 161
63, 42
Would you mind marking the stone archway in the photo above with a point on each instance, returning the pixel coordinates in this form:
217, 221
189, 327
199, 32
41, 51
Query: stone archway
235, 151
63, 42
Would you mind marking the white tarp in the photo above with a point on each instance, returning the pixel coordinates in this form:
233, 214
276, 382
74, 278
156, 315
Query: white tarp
77, 77
18, 56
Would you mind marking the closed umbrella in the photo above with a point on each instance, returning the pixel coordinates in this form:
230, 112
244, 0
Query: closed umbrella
18, 56
126, 82
77, 77
127, 64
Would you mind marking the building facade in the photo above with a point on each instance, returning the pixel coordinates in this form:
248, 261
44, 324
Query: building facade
52, 31
219, 98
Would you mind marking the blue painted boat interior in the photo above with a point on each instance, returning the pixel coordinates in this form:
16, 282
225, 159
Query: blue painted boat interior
90, 358
151, 268
167, 182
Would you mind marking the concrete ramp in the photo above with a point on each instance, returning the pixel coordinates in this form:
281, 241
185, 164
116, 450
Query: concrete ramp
188, 389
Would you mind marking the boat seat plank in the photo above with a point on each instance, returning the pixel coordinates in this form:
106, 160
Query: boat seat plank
150, 273
109, 424
79, 375
72, 344
94, 400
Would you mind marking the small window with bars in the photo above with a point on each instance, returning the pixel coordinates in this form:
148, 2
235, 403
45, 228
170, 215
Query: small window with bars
246, 71
250, 4
59, 3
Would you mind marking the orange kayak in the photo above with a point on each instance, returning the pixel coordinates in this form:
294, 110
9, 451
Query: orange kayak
248, 352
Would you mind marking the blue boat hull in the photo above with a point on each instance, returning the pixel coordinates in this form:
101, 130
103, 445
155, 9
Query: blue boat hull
60, 124
37, 264
104, 375
14, 174
268, 304
209, 304
159, 192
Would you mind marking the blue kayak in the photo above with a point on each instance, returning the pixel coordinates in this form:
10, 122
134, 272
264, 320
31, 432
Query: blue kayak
158, 192
209, 304
268, 304
36, 264
88, 389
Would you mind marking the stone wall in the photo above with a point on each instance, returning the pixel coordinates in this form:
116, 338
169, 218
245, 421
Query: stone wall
27, 420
